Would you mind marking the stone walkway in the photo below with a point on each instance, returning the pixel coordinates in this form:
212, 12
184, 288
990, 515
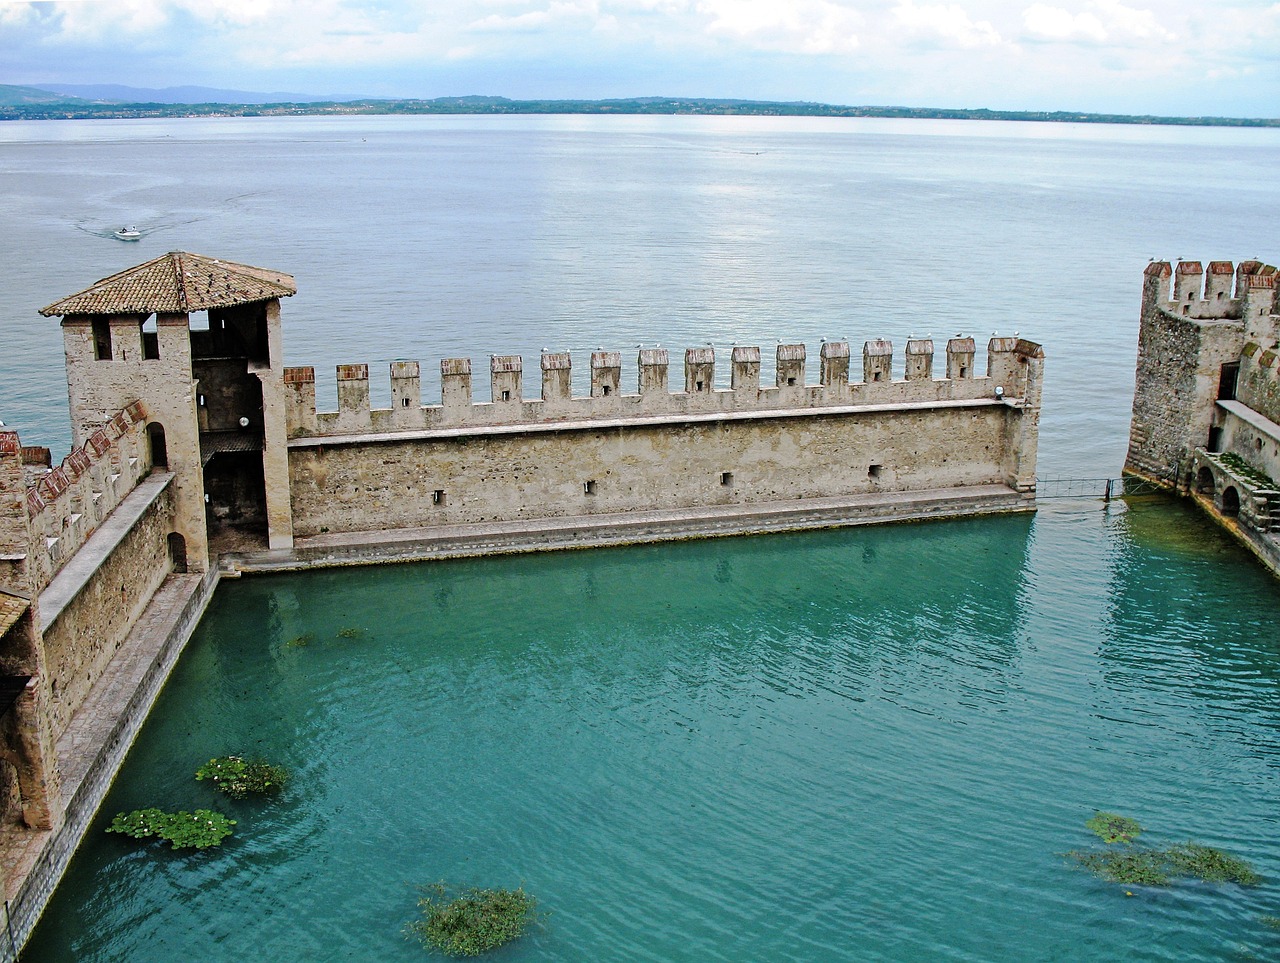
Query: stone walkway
95, 743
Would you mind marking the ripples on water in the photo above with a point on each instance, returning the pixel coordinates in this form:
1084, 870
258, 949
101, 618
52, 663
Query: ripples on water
424, 238
859, 744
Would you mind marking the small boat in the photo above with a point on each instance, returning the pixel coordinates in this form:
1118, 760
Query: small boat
128, 233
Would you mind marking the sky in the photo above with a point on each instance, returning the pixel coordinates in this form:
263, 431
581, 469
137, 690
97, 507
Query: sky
1175, 57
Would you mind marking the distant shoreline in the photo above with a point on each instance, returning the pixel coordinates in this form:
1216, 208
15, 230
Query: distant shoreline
79, 109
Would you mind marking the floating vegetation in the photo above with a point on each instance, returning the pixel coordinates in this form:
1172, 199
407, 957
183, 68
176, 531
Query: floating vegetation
473, 922
239, 778
350, 632
1268, 920
198, 830
1210, 864
1113, 828
1156, 867
1140, 867
302, 640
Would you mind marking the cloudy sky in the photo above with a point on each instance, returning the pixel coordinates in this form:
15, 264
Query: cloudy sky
1135, 56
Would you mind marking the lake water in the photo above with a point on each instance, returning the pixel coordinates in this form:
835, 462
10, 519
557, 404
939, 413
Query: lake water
856, 745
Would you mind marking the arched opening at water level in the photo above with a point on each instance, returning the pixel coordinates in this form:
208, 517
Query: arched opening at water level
1230, 502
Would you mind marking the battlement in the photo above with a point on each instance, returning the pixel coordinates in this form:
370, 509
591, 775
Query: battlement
1007, 370
1222, 292
66, 503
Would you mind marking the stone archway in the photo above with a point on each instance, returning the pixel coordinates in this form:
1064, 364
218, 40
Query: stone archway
1230, 501
1204, 481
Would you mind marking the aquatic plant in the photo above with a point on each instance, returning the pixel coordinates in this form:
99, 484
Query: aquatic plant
1210, 864
239, 777
1156, 867
301, 640
1139, 867
1268, 920
472, 922
1113, 828
350, 632
198, 830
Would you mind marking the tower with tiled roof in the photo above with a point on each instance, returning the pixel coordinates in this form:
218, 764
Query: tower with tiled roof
197, 340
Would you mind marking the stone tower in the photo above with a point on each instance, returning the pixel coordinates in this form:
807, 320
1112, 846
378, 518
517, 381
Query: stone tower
213, 390
1194, 328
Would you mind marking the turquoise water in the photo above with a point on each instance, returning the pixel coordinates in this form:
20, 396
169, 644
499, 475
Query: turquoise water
867, 744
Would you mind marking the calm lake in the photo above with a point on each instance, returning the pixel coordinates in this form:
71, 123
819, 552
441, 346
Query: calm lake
869, 744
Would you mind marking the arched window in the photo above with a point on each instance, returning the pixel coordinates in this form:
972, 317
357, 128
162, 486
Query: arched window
159, 451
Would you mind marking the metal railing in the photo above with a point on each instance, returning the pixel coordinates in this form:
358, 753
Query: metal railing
1104, 489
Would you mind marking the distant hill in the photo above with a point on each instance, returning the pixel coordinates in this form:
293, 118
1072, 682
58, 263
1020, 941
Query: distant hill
182, 95
92, 101
14, 96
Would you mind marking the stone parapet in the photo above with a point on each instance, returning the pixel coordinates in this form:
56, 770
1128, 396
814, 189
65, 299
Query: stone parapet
1008, 371
68, 502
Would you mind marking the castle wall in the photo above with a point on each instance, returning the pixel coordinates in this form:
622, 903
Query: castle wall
68, 503
590, 469
1180, 359
1258, 385
510, 459
83, 634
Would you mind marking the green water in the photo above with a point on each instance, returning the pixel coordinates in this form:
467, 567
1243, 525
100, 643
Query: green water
868, 744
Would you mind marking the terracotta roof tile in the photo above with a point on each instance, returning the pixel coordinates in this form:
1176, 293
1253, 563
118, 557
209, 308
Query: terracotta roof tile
11, 609
176, 283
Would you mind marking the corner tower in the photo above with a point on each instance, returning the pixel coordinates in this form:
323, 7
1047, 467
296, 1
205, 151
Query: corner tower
213, 389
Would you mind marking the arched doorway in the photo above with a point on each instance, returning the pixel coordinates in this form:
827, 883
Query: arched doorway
1230, 501
178, 553
159, 450
1204, 481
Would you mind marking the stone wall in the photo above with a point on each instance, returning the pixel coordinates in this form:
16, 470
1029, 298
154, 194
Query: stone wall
68, 503
588, 468
82, 638
1006, 371
1259, 383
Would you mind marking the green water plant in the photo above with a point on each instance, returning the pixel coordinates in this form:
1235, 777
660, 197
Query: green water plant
1210, 864
350, 632
1113, 828
1136, 867
198, 830
300, 641
1145, 866
239, 777
472, 922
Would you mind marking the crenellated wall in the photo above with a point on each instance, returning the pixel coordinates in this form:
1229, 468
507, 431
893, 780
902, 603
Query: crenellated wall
1194, 326
68, 503
512, 459
608, 398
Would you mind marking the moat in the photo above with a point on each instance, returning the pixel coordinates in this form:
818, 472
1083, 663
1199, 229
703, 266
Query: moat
872, 743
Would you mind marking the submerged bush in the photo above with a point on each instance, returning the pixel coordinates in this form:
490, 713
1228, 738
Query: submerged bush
238, 777
198, 830
1113, 828
473, 922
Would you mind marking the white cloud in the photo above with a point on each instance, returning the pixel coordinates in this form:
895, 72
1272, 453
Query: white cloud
801, 26
947, 22
1101, 22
